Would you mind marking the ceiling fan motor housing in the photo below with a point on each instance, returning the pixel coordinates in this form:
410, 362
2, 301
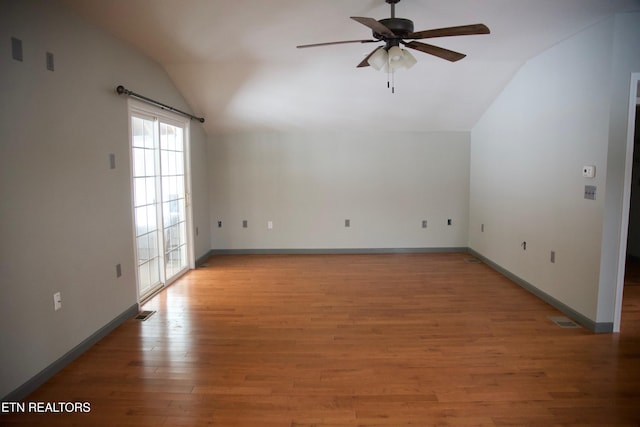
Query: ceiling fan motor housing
401, 27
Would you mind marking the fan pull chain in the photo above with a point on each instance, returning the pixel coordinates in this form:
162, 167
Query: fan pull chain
388, 72
391, 77
393, 81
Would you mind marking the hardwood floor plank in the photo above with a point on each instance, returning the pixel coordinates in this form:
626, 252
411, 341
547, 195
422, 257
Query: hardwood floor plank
350, 340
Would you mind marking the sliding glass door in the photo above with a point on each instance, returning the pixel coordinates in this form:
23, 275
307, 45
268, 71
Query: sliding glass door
158, 148
174, 218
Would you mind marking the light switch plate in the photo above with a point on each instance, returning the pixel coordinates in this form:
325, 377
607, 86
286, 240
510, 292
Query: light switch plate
57, 301
590, 192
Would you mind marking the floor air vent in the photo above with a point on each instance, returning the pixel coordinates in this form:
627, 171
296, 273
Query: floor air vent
144, 315
564, 322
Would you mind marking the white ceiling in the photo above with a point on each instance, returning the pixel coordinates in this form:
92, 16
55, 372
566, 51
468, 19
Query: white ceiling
236, 63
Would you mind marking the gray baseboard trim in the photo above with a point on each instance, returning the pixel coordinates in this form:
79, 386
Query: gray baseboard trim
598, 328
43, 376
334, 251
203, 259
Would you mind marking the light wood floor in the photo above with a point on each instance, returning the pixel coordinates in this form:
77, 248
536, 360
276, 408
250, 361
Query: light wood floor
351, 340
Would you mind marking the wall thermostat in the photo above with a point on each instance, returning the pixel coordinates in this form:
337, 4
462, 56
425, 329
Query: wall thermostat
589, 171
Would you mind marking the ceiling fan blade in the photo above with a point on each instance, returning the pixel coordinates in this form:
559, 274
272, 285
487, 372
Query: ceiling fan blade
440, 52
374, 25
365, 61
331, 43
463, 30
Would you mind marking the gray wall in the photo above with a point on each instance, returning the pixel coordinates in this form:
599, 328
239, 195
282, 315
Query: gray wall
66, 217
624, 60
308, 183
564, 109
200, 191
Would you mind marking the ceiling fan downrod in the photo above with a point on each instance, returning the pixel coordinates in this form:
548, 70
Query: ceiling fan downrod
393, 7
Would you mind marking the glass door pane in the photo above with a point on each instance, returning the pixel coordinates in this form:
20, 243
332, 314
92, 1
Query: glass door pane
173, 199
145, 204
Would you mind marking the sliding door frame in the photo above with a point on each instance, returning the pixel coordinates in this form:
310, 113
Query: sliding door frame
137, 108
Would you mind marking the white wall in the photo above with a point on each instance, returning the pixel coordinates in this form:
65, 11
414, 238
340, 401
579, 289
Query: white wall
308, 183
555, 116
66, 218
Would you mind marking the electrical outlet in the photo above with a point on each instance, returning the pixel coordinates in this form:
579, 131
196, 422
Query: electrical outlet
57, 301
270, 225
16, 49
424, 223
118, 270
449, 222
553, 257
347, 223
219, 224
245, 223
482, 228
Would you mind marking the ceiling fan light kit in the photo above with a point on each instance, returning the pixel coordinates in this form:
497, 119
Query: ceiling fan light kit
379, 59
394, 59
394, 32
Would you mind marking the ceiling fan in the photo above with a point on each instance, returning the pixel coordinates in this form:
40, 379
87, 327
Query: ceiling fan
396, 31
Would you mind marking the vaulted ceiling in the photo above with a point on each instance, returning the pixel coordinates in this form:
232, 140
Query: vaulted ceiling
236, 62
